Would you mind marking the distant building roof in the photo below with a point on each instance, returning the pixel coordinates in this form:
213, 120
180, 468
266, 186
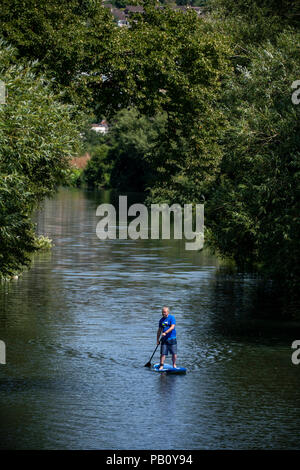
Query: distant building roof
198, 10
119, 14
134, 9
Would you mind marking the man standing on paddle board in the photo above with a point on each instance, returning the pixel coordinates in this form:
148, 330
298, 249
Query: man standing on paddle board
167, 331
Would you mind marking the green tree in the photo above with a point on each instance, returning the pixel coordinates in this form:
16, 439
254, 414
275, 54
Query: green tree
69, 38
122, 159
38, 134
97, 172
120, 3
17, 237
132, 138
173, 63
253, 21
253, 207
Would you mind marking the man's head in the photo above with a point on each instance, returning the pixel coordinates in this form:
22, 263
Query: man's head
165, 311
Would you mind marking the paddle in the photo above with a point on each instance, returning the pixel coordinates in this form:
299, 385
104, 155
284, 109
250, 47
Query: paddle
149, 362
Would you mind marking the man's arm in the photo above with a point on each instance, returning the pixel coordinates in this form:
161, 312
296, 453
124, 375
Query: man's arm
169, 330
158, 334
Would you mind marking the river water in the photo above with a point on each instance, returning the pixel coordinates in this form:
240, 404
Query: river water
81, 323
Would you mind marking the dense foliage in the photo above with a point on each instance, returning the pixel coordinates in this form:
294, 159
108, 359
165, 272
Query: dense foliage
251, 21
173, 63
132, 141
199, 110
70, 39
254, 205
37, 136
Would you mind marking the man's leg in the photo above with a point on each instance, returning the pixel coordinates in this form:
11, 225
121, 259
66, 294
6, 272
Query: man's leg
174, 357
162, 361
163, 353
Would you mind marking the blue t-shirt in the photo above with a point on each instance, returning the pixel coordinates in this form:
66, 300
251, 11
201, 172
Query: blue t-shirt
165, 324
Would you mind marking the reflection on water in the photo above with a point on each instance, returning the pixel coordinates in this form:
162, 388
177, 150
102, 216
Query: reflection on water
80, 325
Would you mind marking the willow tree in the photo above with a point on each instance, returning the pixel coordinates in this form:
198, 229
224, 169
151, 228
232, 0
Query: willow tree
38, 134
253, 206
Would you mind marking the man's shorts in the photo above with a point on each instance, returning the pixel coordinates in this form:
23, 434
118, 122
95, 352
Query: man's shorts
169, 346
